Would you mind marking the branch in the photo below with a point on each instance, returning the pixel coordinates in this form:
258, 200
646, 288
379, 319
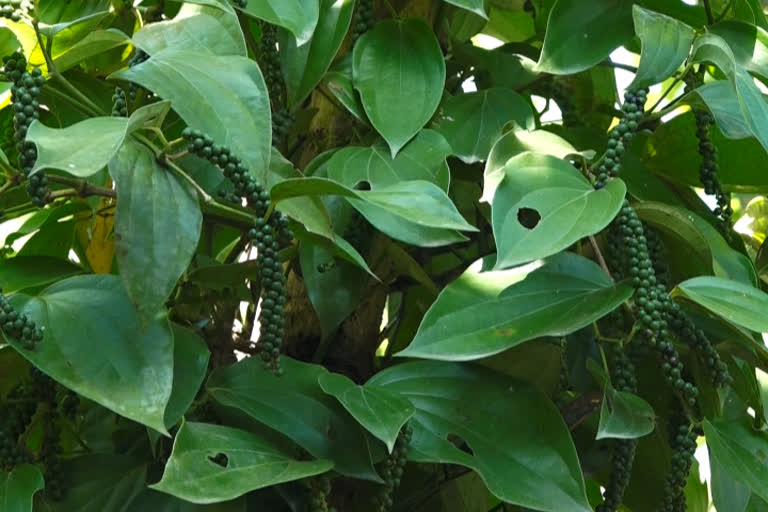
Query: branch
80, 188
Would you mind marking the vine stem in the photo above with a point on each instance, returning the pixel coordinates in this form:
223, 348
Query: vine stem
599, 255
708, 9
391, 9
80, 187
671, 86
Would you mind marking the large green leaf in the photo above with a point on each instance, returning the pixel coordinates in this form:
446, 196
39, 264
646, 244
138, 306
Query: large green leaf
484, 313
666, 44
543, 205
212, 463
517, 141
423, 158
225, 97
190, 365
741, 451
720, 98
578, 38
297, 407
100, 482
728, 493
298, 16
304, 66
95, 345
399, 70
736, 302
196, 28
83, 149
472, 122
22, 272
517, 441
380, 411
157, 226
18, 487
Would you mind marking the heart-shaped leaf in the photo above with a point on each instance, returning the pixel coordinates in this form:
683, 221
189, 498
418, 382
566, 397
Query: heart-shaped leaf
212, 463
484, 313
380, 411
398, 69
543, 205
95, 345
624, 416
515, 437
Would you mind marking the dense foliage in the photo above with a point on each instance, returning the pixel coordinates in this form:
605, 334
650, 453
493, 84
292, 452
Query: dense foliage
314, 255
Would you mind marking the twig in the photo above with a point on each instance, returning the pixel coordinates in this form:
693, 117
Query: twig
599, 255
618, 65
708, 9
81, 187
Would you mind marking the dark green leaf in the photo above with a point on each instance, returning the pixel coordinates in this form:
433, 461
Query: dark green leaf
377, 409
341, 86
736, 302
156, 501
475, 6
666, 44
304, 66
212, 463
157, 227
94, 43
748, 43
399, 70
471, 123
578, 38
95, 345
543, 205
18, 487
323, 428
517, 441
484, 313
225, 97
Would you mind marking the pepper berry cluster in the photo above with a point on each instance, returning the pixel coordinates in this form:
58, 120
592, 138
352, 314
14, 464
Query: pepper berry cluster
14, 9
269, 62
267, 235
682, 441
18, 326
365, 17
610, 165
393, 469
319, 489
25, 92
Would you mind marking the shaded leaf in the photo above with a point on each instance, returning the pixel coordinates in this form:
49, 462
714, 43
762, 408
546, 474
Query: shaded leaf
22, 272
741, 451
624, 416
94, 43
323, 428
190, 365
472, 122
298, 16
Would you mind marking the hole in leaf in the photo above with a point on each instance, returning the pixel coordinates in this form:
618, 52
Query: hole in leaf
220, 460
460, 443
528, 217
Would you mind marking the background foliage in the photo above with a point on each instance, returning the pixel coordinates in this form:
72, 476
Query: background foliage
305, 255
